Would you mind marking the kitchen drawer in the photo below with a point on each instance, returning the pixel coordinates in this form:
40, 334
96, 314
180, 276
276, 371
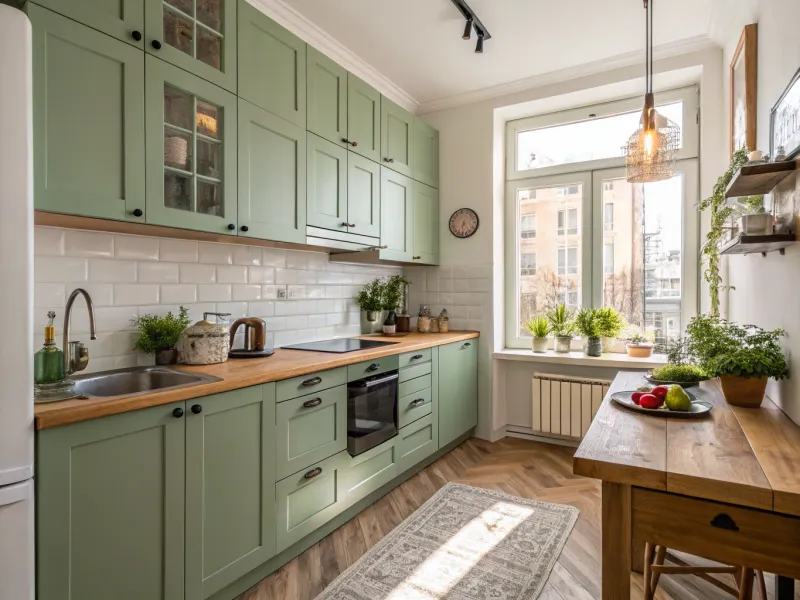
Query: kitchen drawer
409, 359
414, 407
722, 532
416, 371
413, 386
372, 367
309, 429
416, 442
309, 499
313, 382
369, 471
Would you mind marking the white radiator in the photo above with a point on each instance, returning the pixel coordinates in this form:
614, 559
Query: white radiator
565, 406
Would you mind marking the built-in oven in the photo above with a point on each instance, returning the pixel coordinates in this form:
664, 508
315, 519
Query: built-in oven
371, 411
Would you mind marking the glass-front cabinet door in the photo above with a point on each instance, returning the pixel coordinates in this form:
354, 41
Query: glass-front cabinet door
191, 140
196, 35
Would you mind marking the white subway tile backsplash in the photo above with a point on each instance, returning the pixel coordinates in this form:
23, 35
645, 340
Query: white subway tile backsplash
296, 259
48, 241
191, 273
133, 247
59, 269
270, 292
177, 251
110, 319
303, 277
89, 244
261, 309
102, 270
179, 294
133, 294
272, 257
232, 274
246, 292
285, 276
102, 294
214, 292
158, 272
236, 310
249, 256
215, 254
261, 275
49, 294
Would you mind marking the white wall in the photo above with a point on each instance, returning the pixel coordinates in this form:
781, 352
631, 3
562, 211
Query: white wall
767, 289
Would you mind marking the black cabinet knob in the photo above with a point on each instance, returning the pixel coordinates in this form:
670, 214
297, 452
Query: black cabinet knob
136, 35
137, 212
177, 413
197, 409
156, 44
245, 228
231, 226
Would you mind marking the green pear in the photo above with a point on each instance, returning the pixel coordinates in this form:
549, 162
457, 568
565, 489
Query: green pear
678, 399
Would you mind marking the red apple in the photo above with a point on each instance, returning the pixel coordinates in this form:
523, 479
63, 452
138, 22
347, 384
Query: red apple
636, 397
650, 401
660, 392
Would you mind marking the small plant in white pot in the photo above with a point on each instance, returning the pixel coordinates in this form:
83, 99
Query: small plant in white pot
539, 328
370, 300
562, 325
611, 324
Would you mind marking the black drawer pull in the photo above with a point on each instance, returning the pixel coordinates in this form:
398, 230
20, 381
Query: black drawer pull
312, 381
313, 473
177, 413
417, 402
417, 357
467, 345
312, 403
724, 521
373, 367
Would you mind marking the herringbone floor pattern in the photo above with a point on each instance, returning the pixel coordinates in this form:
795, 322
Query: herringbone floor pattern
518, 467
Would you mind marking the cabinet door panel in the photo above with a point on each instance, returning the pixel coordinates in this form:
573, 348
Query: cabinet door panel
88, 120
272, 68
196, 35
191, 151
397, 216
397, 138
118, 18
110, 507
458, 389
426, 153
230, 479
416, 442
369, 471
272, 176
426, 224
363, 196
327, 184
364, 118
327, 98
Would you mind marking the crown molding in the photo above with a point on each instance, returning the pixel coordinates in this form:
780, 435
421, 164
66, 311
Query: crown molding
696, 44
289, 18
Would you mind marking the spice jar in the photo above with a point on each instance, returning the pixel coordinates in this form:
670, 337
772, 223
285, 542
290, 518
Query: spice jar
444, 321
424, 319
205, 342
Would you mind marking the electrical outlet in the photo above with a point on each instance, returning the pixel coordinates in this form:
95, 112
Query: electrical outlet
283, 294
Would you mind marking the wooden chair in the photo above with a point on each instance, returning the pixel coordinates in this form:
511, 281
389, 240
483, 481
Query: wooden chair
654, 568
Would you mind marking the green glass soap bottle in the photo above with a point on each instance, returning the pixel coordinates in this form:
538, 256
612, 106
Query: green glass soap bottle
49, 378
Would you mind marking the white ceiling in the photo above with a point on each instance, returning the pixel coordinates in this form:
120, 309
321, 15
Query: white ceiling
417, 43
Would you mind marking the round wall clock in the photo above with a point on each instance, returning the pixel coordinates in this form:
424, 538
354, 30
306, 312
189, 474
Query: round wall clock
464, 223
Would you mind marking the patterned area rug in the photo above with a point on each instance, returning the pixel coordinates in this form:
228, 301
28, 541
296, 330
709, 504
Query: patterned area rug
465, 543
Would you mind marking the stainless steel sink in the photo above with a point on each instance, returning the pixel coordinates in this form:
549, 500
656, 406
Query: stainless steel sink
136, 381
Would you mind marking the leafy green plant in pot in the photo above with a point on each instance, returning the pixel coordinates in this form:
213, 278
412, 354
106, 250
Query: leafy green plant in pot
588, 324
392, 298
370, 300
611, 323
744, 357
160, 335
539, 328
562, 325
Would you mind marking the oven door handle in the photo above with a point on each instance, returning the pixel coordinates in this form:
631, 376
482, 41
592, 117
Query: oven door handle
374, 382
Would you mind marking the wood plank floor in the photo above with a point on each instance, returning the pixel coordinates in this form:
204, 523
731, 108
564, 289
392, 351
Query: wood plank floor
518, 467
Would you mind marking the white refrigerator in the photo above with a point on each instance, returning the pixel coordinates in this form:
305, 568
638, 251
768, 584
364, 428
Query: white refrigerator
16, 308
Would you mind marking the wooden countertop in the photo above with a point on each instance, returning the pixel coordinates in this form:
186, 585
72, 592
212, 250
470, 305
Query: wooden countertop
744, 456
236, 374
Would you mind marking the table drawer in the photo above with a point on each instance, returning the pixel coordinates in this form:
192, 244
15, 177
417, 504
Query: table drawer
413, 407
412, 387
415, 371
409, 359
372, 367
722, 532
306, 384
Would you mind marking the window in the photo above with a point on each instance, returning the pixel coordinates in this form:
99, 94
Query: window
527, 226
608, 258
570, 298
568, 222
527, 263
568, 261
608, 212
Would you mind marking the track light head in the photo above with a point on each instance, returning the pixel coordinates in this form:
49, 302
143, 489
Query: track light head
467, 30
479, 46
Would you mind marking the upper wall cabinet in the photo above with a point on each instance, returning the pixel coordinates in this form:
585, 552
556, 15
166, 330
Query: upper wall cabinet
326, 98
272, 66
191, 151
272, 176
123, 19
397, 216
327, 184
363, 196
363, 118
196, 35
426, 224
397, 138
426, 153
88, 115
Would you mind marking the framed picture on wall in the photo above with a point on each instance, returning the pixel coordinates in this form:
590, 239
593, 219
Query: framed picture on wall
744, 90
784, 121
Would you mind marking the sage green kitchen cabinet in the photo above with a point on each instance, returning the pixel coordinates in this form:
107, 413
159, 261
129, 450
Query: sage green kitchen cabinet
426, 224
326, 89
371, 470
327, 184
416, 442
191, 135
426, 153
363, 196
122, 19
110, 507
272, 176
196, 35
458, 389
364, 118
397, 216
272, 66
88, 120
397, 138
230, 487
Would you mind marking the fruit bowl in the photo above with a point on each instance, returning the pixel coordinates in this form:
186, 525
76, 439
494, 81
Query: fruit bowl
697, 410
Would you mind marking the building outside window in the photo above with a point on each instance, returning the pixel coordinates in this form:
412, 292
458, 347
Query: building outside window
528, 226
568, 222
608, 258
608, 213
568, 261
527, 263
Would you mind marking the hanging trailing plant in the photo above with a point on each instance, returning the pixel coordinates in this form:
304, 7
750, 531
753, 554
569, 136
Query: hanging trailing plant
720, 212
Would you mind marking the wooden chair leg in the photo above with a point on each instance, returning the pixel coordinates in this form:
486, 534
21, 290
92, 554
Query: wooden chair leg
661, 552
762, 586
746, 585
648, 561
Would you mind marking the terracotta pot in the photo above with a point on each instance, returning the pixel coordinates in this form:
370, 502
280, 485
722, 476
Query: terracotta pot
743, 391
167, 357
639, 351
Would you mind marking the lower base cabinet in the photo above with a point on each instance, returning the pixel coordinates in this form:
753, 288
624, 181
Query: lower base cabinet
458, 394
417, 442
371, 470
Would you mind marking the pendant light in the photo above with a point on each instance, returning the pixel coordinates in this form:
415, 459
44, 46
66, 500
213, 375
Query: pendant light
651, 150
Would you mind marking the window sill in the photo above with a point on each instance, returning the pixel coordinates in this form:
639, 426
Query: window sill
610, 359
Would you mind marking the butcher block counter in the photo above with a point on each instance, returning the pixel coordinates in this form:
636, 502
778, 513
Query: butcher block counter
239, 373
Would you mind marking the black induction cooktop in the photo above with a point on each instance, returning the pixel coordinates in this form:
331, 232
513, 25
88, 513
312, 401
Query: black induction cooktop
339, 346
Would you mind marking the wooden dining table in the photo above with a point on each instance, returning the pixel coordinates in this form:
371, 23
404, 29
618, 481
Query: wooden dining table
725, 487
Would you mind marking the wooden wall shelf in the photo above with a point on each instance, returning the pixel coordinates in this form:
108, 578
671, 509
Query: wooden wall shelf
753, 180
751, 244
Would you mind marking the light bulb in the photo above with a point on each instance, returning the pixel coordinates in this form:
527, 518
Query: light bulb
649, 142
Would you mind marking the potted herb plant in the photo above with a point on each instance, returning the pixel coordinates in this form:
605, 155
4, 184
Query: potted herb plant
392, 298
637, 343
562, 325
611, 323
539, 328
370, 300
588, 324
160, 335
